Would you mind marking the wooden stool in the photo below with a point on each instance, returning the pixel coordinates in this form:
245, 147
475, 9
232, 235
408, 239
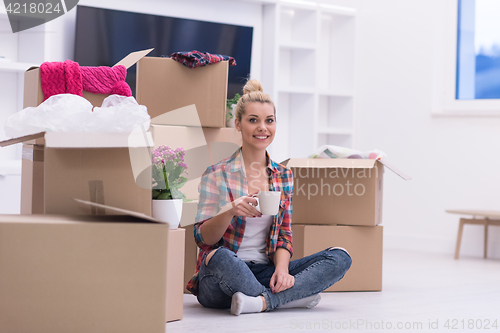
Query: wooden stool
488, 218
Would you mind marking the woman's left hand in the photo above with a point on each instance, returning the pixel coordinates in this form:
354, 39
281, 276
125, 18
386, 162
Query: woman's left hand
281, 280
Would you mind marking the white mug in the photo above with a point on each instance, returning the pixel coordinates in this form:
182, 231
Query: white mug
268, 202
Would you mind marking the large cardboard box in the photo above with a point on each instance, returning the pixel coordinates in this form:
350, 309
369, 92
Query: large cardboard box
364, 245
83, 274
204, 147
94, 167
33, 94
190, 256
164, 85
337, 191
174, 258
175, 274
189, 210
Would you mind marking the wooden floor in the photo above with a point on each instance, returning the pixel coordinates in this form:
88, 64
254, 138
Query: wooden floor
422, 292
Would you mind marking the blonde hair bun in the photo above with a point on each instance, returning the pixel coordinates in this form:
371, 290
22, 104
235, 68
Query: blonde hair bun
252, 93
251, 86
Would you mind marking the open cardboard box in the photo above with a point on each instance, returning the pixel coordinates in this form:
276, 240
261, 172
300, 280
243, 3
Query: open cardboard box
364, 245
75, 273
338, 191
33, 94
97, 166
89, 166
189, 210
175, 260
164, 85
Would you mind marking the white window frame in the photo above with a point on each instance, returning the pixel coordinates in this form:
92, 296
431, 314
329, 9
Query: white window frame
445, 60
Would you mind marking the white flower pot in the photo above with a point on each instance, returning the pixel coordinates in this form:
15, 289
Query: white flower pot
169, 211
230, 122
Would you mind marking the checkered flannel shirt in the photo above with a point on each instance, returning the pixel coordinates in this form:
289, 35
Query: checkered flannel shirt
226, 180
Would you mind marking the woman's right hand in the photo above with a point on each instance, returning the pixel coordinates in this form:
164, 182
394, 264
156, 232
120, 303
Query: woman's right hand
245, 206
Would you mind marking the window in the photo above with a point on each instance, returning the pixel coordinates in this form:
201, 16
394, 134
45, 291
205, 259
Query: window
478, 49
467, 58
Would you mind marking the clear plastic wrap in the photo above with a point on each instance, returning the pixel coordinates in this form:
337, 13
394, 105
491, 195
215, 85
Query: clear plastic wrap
328, 151
72, 113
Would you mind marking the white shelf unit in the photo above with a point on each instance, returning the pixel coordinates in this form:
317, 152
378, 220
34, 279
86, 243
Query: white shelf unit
18, 52
309, 71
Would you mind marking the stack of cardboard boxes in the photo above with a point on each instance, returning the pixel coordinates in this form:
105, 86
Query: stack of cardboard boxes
67, 256
197, 98
338, 202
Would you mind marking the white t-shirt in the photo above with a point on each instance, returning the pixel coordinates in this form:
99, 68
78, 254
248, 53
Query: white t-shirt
253, 244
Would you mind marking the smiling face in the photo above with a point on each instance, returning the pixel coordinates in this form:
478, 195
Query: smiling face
257, 125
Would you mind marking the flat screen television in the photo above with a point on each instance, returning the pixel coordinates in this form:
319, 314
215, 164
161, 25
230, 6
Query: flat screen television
105, 36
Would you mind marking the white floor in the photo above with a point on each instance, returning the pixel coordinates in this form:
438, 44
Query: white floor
422, 292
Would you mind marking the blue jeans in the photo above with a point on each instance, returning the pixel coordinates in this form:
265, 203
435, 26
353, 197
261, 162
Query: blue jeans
227, 274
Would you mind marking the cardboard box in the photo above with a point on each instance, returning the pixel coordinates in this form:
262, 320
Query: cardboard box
190, 256
337, 191
204, 147
189, 210
164, 85
83, 274
364, 245
175, 274
33, 94
174, 259
94, 167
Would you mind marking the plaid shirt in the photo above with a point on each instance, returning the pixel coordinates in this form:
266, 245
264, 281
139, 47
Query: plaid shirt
195, 59
225, 182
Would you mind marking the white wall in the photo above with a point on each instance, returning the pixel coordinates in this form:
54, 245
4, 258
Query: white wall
454, 161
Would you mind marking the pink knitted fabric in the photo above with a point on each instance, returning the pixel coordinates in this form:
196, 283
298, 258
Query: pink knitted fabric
105, 80
73, 78
60, 78
70, 78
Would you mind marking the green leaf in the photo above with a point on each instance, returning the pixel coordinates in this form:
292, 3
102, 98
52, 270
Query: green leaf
182, 182
176, 194
164, 196
232, 101
174, 175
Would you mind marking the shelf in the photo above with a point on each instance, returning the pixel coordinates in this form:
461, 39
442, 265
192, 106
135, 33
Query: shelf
296, 113
337, 10
335, 111
10, 167
336, 53
341, 140
297, 90
311, 69
336, 93
297, 68
10, 66
297, 24
334, 130
294, 45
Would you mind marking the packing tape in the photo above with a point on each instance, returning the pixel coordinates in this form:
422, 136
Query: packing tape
96, 188
32, 154
27, 154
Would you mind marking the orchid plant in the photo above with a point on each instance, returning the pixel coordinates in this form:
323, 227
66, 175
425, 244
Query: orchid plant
168, 166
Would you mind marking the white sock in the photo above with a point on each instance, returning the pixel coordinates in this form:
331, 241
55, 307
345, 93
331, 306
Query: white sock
242, 303
308, 302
